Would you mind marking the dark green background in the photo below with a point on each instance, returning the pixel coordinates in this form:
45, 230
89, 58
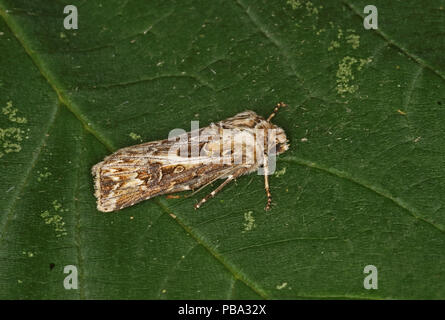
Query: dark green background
362, 184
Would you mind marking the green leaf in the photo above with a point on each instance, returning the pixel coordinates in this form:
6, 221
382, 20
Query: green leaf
362, 183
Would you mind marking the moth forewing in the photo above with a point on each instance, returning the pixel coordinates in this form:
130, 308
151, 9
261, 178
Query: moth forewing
180, 140
188, 161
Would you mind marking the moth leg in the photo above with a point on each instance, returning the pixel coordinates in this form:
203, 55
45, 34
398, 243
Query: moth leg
230, 178
210, 182
275, 110
266, 181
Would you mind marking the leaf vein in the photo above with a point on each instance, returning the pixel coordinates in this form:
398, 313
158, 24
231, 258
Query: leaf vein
50, 78
228, 266
378, 190
27, 174
396, 45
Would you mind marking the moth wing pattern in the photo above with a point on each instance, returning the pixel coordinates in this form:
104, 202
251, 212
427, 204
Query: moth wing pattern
135, 184
140, 172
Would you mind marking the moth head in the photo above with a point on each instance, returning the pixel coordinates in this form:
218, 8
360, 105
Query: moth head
249, 120
281, 142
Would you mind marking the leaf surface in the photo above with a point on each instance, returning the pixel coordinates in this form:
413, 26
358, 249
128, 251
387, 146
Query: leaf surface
362, 183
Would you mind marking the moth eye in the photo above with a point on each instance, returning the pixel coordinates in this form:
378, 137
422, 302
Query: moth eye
179, 169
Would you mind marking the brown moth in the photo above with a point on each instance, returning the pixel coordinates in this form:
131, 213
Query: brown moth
224, 150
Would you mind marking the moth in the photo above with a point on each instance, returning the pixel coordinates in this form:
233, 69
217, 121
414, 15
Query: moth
226, 150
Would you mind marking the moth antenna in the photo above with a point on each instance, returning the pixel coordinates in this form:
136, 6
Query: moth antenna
275, 110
